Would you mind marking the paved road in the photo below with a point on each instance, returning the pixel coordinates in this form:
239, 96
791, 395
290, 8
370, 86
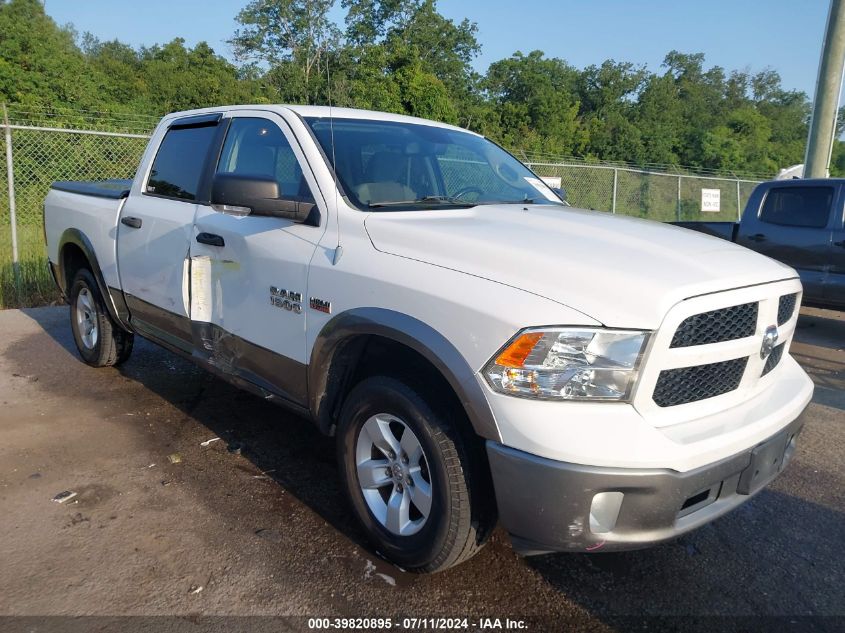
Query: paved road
254, 523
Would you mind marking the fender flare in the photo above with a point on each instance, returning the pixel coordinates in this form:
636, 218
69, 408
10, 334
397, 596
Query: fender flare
117, 310
411, 332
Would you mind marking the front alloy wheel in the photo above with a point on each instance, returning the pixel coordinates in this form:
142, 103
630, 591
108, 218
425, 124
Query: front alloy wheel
411, 475
393, 474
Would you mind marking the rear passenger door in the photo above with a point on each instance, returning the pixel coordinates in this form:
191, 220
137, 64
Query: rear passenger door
793, 225
155, 231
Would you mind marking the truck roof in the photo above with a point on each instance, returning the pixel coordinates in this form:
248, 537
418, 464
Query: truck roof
318, 111
805, 181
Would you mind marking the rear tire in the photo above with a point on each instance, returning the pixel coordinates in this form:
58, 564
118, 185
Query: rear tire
100, 341
408, 475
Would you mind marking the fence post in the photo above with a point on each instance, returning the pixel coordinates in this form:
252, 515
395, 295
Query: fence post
738, 203
10, 183
615, 179
679, 198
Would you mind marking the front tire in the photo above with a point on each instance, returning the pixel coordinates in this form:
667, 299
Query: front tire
407, 473
100, 341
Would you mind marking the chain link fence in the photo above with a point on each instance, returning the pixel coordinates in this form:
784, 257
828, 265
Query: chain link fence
656, 195
42, 154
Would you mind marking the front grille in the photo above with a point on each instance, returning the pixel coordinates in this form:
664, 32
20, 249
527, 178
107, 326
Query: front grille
690, 384
725, 324
773, 359
786, 307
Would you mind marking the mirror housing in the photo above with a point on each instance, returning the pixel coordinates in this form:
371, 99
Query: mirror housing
249, 194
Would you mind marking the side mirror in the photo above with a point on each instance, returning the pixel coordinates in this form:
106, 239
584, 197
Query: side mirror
560, 192
245, 194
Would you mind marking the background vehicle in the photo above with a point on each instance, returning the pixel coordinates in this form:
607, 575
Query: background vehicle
423, 296
800, 223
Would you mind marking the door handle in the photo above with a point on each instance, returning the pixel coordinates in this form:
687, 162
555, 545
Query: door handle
211, 239
757, 237
840, 244
131, 222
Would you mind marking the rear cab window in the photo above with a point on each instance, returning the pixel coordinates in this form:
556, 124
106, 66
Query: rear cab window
178, 165
807, 207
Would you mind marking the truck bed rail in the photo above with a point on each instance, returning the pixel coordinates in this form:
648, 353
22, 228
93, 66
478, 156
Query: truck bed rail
114, 189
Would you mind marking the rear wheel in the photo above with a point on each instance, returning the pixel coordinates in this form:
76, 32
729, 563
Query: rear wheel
407, 473
101, 342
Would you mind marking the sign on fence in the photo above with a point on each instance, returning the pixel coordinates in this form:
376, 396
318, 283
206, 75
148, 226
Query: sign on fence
710, 200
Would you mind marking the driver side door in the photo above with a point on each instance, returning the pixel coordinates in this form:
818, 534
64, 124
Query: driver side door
249, 274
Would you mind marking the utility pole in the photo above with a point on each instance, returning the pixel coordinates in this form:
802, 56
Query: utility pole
828, 89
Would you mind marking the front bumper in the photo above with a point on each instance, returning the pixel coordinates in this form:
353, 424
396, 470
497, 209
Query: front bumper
548, 505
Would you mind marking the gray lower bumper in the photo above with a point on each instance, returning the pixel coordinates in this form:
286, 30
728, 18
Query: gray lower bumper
546, 505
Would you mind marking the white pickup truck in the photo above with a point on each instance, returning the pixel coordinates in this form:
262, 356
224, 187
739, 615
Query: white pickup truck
479, 350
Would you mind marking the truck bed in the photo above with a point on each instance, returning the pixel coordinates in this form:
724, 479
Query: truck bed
87, 214
114, 189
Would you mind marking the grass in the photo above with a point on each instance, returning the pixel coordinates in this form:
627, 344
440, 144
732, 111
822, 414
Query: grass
28, 284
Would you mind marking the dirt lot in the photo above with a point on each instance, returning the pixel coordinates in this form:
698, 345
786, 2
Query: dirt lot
254, 523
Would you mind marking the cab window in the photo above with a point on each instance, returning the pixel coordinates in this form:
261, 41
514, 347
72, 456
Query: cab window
178, 165
257, 147
807, 207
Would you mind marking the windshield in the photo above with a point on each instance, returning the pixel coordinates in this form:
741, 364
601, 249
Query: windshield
387, 165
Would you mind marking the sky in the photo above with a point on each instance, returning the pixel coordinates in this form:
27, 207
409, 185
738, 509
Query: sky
785, 36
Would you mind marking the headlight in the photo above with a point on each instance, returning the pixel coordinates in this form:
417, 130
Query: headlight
568, 364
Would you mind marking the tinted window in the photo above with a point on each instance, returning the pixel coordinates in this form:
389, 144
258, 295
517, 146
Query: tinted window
798, 206
257, 147
178, 165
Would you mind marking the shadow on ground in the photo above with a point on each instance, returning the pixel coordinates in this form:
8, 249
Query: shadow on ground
286, 447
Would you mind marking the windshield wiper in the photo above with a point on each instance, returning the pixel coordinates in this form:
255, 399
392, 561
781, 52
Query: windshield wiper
424, 200
524, 201
528, 201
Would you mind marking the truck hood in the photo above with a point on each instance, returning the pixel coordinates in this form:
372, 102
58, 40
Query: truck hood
621, 271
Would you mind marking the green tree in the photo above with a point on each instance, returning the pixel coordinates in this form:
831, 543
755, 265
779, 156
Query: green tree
290, 38
181, 78
408, 44
404, 56
119, 69
606, 94
535, 99
40, 64
659, 119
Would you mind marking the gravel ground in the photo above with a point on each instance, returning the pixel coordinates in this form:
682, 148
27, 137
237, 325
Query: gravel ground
254, 524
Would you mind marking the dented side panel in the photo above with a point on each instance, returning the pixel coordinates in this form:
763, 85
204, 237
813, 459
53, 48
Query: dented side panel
248, 293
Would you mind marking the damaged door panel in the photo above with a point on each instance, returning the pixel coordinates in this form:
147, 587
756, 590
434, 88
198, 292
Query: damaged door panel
247, 287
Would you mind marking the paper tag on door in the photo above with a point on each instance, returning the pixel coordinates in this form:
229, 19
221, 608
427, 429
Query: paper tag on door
201, 289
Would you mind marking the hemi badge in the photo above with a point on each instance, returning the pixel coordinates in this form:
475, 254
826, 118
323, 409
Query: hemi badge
320, 305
